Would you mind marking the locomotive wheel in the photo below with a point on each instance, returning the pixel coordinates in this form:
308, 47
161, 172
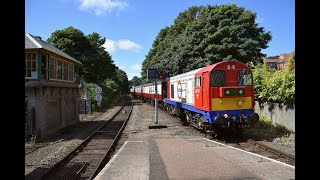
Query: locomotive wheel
187, 119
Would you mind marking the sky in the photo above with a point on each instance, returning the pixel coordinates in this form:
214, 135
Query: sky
131, 26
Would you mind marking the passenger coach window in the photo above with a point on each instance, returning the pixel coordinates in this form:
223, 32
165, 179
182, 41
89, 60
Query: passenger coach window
244, 77
197, 81
217, 78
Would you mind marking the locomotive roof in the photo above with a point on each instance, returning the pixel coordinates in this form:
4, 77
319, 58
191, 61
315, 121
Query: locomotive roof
185, 74
223, 65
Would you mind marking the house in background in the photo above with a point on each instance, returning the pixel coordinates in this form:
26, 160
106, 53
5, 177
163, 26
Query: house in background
279, 63
271, 63
51, 88
283, 61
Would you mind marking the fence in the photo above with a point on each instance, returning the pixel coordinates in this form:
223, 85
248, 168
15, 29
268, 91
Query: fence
84, 106
29, 121
279, 114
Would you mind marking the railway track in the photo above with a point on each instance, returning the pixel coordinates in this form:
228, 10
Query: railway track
245, 143
87, 160
279, 154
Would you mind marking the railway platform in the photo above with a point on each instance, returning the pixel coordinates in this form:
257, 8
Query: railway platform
185, 158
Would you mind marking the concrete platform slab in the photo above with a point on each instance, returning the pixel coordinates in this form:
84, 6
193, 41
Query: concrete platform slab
185, 160
264, 166
130, 162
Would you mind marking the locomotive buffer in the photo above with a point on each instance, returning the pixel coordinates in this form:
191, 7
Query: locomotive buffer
156, 74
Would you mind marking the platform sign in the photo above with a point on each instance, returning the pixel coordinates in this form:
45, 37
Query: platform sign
99, 103
179, 90
98, 97
98, 90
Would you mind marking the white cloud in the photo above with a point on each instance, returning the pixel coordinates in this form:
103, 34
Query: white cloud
101, 6
122, 67
128, 45
110, 45
131, 75
124, 44
136, 67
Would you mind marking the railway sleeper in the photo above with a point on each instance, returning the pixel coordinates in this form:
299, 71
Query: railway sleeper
75, 170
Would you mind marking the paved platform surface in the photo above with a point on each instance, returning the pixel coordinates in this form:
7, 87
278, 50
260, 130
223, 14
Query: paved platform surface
185, 158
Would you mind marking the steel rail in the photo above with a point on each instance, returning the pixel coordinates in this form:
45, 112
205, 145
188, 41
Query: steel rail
276, 152
111, 149
78, 149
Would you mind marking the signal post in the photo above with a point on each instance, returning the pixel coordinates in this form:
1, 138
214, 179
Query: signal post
156, 74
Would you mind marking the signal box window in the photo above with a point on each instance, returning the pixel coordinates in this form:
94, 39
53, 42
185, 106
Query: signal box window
244, 78
217, 78
30, 65
197, 81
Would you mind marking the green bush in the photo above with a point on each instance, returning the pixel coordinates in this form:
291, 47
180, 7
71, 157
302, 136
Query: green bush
274, 86
265, 126
108, 93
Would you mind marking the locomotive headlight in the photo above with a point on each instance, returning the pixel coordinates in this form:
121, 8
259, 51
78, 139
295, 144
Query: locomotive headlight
240, 91
227, 92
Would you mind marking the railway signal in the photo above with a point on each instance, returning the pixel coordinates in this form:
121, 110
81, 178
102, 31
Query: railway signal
161, 74
157, 74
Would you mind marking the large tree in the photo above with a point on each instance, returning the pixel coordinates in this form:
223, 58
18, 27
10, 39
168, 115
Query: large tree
204, 35
122, 80
135, 81
97, 63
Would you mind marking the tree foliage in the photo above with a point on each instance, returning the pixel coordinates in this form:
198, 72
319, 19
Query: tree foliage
274, 57
98, 68
97, 63
135, 81
276, 86
122, 80
108, 93
204, 35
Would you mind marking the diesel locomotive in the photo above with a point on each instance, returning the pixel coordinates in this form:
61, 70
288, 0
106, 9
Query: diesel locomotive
217, 98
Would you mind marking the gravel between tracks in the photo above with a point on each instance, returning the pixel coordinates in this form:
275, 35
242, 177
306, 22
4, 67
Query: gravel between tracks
48, 151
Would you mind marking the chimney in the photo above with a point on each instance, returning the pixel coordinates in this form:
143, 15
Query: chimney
38, 37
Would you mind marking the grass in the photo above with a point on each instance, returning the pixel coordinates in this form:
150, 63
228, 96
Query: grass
265, 128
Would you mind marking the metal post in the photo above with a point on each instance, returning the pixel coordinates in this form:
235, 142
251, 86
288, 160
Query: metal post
156, 125
85, 106
156, 102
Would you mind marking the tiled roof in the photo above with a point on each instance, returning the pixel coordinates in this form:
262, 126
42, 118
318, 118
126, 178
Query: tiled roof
272, 60
32, 42
283, 57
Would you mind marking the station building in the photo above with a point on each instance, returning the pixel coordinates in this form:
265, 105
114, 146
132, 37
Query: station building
51, 88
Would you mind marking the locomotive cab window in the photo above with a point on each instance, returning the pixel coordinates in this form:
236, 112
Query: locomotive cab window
217, 78
244, 77
197, 81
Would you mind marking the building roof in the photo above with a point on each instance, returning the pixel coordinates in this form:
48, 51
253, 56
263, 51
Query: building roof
272, 60
33, 42
283, 58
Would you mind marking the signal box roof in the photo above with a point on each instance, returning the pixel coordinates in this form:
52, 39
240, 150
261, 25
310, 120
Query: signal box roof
33, 42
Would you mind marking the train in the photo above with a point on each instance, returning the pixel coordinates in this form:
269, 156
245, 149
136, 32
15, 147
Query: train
216, 99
